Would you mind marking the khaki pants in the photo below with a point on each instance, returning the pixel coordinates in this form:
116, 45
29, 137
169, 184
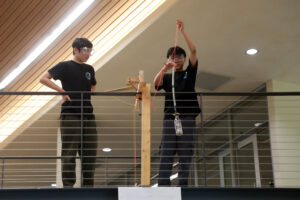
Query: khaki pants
71, 145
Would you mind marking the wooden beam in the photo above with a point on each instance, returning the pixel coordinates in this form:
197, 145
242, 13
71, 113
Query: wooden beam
146, 134
119, 89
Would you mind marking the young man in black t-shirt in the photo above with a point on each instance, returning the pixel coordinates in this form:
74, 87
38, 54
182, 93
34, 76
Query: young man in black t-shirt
75, 75
187, 108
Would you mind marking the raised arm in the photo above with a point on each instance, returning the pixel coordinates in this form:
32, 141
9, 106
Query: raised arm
189, 42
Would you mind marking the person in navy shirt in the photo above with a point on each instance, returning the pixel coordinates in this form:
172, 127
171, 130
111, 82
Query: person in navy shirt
187, 108
75, 75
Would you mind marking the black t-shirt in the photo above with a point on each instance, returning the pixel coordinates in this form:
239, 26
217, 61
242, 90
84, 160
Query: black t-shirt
184, 81
75, 77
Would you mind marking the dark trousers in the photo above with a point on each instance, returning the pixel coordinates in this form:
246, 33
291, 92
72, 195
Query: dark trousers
182, 145
71, 145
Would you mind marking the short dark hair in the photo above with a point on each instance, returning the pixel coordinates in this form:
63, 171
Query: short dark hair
178, 51
79, 43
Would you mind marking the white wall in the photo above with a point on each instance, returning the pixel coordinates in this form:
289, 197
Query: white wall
284, 122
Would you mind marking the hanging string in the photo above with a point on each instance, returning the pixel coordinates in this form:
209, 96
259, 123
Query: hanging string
134, 142
161, 71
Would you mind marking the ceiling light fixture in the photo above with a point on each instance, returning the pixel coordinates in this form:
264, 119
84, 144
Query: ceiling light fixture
17, 116
106, 149
252, 51
114, 34
257, 124
46, 42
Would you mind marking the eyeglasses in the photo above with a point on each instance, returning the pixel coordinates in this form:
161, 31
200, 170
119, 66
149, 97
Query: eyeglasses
87, 51
176, 59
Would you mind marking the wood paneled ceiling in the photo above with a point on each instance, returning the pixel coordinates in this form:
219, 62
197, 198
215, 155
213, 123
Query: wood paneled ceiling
25, 23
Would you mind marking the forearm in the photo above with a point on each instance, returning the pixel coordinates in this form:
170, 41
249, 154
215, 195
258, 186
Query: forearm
47, 82
189, 42
192, 47
158, 80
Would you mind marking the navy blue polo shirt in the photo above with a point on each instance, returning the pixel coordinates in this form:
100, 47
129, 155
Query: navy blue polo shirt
75, 77
186, 99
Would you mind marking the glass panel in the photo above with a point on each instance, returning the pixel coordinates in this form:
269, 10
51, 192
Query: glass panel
213, 174
246, 166
265, 159
249, 114
227, 171
216, 135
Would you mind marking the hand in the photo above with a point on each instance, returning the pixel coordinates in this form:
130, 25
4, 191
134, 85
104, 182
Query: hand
180, 25
65, 98
168, 66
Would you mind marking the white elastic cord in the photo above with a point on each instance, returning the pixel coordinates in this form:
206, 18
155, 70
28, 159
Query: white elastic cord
173, 89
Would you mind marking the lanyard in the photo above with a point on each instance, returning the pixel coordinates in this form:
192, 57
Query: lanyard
173, 91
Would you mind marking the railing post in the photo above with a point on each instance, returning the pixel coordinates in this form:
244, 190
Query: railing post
203, 140
231, 148
146, 135
106, 171
81, 138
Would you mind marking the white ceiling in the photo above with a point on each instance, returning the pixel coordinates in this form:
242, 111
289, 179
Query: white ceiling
222, 30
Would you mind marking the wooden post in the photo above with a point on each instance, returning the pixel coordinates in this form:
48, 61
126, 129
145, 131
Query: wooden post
146, 134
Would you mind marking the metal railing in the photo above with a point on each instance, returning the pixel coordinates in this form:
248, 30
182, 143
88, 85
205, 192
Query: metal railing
241, 140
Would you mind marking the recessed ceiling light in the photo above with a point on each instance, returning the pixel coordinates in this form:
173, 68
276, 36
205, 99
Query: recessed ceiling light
106, 149
252, 51
257, 124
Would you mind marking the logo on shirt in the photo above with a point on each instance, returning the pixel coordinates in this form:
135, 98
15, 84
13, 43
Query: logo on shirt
88, 75
185, 75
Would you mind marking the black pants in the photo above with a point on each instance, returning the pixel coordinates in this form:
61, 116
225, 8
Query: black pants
71, 136
182, 145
